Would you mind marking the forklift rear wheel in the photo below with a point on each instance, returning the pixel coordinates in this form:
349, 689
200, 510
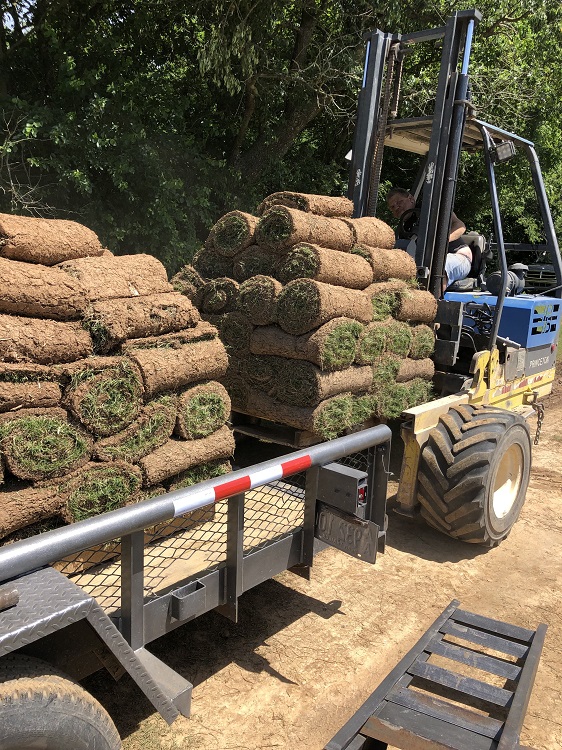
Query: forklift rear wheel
41, 707
474, 473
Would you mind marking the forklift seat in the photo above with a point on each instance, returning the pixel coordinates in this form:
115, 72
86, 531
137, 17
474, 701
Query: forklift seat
477, 244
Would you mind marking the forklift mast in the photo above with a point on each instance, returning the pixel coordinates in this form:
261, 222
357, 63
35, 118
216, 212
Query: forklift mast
377, 106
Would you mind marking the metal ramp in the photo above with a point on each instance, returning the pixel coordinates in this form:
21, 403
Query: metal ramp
422, 705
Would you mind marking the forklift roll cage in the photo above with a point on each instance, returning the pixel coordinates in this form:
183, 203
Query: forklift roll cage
440, 138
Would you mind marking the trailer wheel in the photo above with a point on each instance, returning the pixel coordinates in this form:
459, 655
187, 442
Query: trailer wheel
474, 473
41, 707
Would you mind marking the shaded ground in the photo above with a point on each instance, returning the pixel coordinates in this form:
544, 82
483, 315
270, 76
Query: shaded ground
305, 655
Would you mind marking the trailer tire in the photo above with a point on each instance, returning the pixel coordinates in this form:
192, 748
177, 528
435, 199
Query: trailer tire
474, 473
42, 707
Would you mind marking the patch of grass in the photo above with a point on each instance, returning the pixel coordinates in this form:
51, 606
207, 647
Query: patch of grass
392, 400
335, 417
385, 370
101, 490
235, 332
149, 435
420, 392
362, 409
384, 305
300, 262
276, 226
298, 303
204, 414
423, 342
43, 445
211, 265
339, 347
398, 338
97, 330
371, 344
230, 233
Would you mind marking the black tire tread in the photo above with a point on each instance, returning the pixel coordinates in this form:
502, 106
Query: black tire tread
454, 468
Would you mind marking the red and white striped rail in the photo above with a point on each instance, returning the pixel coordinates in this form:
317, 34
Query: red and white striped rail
208, 495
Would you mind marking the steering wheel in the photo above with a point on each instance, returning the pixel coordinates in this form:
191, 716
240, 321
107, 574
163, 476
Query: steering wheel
408, 224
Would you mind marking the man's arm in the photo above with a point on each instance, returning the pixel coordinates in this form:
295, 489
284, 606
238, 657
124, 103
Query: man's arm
458, 228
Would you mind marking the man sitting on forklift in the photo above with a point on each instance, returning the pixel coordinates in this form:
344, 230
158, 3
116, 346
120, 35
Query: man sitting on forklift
459, 256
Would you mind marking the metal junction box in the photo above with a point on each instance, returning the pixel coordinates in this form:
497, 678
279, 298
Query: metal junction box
344, 488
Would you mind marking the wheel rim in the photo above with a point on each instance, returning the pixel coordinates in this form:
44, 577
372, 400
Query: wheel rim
507, 481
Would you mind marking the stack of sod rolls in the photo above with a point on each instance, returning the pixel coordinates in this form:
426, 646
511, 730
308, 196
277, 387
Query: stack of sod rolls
325, 327
108, 380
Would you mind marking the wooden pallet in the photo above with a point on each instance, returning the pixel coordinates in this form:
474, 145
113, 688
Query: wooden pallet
423, 705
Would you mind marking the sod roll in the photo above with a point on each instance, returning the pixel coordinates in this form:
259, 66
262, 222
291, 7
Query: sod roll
324, 205
328, 420
305, 304
177, 456
202, 410
39, 291
106, 399
301, 383
385, 370
113, 277
258, 299
203, 331
188, 281
254, 261
409, 369
235, 333
25, 372
398, 338
233, 232
149, 431
387, 264
39, 394
26, 506
99, 488
46, 241
309, 261
112, 321
330, 347
416, 305
371, 343
36, 446
281, 227
210, 264
218, 296
172, 369
384, 297
423, 342
42, 341
259, 372
371, 231
392, 399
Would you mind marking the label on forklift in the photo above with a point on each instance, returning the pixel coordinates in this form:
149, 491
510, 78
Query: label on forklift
347, 533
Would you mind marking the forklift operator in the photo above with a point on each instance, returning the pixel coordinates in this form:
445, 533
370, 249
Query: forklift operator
459, 257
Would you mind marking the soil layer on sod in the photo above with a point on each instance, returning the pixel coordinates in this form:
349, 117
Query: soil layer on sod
324, 205
330, 347
42, 446
42, 341
372, 232
108, 400
218, 296
233, 232
327, 420
210, 264
417, 306
149, 431
173, 369
119, 276
46, 241
280, 228
39, 291
305, 304
39, 394
112, 321
423, 342
258, 299
188, 281
177, 456
415, 368
203, 331
386, 264
202, 410
309, 261
254, 261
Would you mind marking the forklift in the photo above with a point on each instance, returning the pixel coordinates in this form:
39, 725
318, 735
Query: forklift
467, 455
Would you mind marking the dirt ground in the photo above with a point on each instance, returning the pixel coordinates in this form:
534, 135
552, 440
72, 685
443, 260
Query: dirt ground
305, 655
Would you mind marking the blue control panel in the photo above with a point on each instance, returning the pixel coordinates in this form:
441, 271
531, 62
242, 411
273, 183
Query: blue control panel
528, 320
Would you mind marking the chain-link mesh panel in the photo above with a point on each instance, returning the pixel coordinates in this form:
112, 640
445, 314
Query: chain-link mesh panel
191, 545
359, 461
